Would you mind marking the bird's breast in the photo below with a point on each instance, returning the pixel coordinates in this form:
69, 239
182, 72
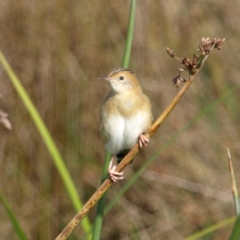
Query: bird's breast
123, 132
123, 119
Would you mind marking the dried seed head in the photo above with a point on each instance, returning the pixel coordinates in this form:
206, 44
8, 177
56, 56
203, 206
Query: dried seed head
186, 62
201, 50
176, 81
219, 43
181, 69
205, 47
207, 44
182, 79
195, 58
214, 41
205, 41
170, 52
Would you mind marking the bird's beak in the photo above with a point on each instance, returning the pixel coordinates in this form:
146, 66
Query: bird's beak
105, 78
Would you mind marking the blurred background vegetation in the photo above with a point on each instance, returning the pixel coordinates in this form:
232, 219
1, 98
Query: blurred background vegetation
59, 49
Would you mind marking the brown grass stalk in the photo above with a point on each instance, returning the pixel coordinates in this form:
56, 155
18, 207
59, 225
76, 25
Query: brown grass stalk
128, 158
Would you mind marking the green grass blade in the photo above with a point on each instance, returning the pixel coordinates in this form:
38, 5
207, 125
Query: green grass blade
97, 228
211, 228
234, 185
20, 233
236, 230
128, 45
51, 146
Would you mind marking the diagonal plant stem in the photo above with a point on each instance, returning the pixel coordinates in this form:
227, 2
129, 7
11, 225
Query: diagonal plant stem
155, 155
128, 158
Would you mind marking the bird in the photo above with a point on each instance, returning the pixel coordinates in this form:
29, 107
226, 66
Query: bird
125, 116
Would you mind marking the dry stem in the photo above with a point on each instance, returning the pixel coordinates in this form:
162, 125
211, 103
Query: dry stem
128, 158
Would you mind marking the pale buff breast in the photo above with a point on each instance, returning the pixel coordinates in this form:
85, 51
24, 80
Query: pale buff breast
129, 118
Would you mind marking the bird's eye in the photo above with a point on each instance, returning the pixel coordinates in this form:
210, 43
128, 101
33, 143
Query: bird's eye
121, 78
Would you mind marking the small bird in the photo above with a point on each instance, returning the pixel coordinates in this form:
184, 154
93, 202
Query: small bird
125, 116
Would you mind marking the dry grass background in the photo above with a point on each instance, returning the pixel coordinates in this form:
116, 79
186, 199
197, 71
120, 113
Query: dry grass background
59, 49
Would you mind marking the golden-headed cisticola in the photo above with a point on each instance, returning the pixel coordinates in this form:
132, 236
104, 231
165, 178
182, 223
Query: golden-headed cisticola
124, 117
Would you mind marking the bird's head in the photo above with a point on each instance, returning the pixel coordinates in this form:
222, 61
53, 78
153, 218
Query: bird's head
122, 80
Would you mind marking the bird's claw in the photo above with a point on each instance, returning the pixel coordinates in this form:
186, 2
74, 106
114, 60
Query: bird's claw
143, 141
115, 176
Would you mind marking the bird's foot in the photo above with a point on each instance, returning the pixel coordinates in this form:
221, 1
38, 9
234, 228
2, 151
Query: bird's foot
143, 141
115, 176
